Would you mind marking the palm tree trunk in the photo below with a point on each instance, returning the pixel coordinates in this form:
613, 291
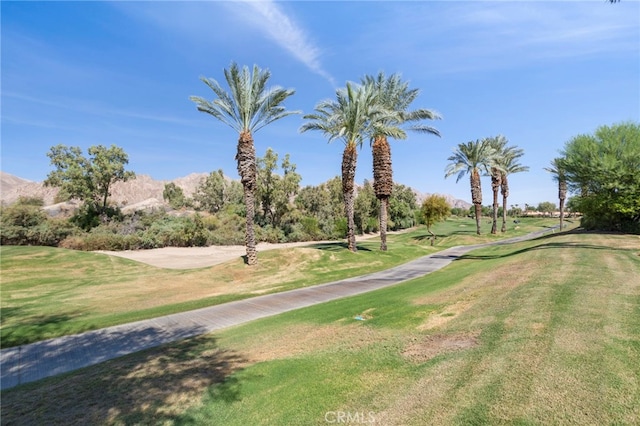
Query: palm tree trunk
384, 207
504, 190
562, 195
247, 169
476, 196
495, 186
349, 161
382, 182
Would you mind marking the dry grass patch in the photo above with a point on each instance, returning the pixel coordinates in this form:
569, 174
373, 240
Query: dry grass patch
300, 339
433, 345
438, 319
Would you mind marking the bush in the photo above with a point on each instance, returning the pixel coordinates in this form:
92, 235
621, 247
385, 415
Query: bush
27, 224
270, 234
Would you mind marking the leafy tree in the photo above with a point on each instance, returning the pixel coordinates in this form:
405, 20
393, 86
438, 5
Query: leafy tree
603, 169
88, 179
402, 207
174, 195
546, 207
557, 170
434, 209
325, 204
472, 158
366, 209
209, 194
348, 118
459, 212
289, 187
394, 95
276, 191
247, 108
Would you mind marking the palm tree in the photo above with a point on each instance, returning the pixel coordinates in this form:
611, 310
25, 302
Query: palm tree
559, 175
347, 118
472, 157
498, 144
510, 165
248, 107
394, 95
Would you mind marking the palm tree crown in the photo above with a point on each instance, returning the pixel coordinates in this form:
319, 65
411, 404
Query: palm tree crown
347, 117
396, 97
250, 105
471, 157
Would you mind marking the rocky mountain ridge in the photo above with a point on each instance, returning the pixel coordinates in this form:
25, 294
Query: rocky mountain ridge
141, 191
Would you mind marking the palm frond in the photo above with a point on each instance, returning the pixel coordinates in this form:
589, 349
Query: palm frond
248, 105
470, 157
394, 96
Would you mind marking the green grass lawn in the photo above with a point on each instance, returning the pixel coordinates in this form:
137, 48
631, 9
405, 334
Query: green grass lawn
49, 292
540, 332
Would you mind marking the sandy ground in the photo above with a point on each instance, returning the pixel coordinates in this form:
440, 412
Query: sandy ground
194, 257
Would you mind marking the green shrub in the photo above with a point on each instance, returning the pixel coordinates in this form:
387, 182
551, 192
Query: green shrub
28, 224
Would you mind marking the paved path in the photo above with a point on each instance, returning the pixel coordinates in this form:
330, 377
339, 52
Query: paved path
28, 363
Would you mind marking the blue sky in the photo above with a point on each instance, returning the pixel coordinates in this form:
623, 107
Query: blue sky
88, 73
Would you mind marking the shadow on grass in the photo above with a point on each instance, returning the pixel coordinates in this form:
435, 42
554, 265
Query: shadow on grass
337, 246
154, 386
35, 328
547, 245
427, 236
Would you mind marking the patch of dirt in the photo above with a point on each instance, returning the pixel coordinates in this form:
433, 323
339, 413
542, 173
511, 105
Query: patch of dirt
193, 257
201, 257
434, 345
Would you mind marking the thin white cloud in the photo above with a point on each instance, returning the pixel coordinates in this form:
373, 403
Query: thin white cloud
194, 20
497, 35
88, 107
280, 27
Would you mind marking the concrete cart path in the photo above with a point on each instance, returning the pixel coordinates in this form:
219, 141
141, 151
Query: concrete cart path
28, 363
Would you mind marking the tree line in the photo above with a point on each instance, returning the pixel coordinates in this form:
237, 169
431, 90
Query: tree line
212, 215
601, 169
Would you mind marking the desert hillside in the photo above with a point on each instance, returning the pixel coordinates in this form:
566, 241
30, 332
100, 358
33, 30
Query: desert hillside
135, 191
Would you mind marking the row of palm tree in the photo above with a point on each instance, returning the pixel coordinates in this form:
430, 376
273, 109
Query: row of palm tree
494, 158
376, 109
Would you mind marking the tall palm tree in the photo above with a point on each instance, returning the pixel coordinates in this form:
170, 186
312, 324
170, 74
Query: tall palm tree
510, 165
348, 118
559, 175
395, 96
247, 107
498, 144
472, 158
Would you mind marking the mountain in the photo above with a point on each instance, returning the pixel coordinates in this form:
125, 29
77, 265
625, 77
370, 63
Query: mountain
134, 191
453, 202
142, 191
